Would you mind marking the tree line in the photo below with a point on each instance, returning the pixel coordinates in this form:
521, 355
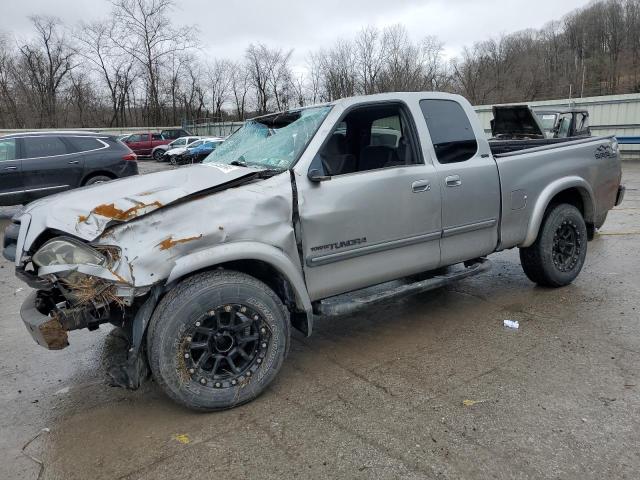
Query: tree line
137, 68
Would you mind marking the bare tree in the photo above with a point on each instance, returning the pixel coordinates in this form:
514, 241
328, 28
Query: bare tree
220, 80
111, 64
240, 83
47, 60
371, 55
147, 34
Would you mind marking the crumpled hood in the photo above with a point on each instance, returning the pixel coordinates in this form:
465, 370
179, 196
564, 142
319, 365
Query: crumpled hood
87, 212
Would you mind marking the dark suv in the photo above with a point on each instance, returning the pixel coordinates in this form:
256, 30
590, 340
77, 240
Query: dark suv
34, 165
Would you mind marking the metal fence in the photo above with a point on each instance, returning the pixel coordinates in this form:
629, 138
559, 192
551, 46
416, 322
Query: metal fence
214, 129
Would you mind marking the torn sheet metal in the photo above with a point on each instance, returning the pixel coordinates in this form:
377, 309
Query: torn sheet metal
152, 229
151, 245
87, 212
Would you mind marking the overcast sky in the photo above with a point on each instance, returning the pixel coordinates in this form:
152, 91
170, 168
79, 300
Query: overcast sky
227, 27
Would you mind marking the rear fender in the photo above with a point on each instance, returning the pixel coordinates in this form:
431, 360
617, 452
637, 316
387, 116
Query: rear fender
550, 191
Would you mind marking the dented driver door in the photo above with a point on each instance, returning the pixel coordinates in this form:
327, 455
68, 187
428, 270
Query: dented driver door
365, 228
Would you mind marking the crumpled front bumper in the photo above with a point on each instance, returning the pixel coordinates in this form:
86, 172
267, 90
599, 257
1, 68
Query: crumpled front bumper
47, 331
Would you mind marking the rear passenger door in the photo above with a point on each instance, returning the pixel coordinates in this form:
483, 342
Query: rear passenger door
468, 181
50, 164
11, 187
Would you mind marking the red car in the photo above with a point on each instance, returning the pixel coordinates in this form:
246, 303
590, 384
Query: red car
143, 143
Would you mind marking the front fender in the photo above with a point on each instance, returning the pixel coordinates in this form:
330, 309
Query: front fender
547, 195
229, 252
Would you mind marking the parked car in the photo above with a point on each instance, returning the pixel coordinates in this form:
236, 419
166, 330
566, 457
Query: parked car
174, 133
198, 151
34, 165
208, 267
564, 123
158, 152
517, 127
143, 144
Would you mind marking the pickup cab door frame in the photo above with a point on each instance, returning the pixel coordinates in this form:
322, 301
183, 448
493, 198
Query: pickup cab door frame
469, 182
367, 227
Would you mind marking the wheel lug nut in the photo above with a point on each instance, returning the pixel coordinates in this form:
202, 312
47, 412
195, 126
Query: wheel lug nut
227, 308
263, 330
256, 317
248, 374
233, 382
264, 345
188, 339
192, 371
203, 381
197, 324
243, 309
218, 385
186, 355
259, 360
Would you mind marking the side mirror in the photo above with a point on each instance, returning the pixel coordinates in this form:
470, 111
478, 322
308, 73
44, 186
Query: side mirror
316, 176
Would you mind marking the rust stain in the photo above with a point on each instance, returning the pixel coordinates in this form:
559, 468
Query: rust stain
170, 242
82, 218
109, 210
119, 277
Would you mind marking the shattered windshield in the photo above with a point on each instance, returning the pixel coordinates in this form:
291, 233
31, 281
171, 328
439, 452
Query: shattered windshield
274, 142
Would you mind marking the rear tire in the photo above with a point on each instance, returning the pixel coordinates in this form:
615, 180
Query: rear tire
559, 252
217, 340
97, 179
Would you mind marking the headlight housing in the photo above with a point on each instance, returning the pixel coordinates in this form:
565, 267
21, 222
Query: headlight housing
67, 251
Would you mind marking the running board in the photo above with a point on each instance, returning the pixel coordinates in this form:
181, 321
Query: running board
349, 303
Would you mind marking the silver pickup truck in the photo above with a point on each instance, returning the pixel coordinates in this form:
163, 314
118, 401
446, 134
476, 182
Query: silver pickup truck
313, 211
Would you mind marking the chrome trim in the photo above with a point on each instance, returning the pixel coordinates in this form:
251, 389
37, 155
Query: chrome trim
375, 248
471, 227
13, 192
403, 242
44, 188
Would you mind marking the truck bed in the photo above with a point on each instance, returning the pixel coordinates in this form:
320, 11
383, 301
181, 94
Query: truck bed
499, 147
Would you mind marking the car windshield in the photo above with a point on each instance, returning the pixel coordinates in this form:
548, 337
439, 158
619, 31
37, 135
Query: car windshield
274, 142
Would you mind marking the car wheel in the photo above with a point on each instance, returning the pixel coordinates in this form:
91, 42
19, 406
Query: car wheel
157, 155
98, 179
559, 252
217, 340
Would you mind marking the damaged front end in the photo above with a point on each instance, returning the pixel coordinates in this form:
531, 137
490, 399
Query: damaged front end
78, 287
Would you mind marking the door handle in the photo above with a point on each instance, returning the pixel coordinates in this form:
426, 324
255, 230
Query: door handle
13, 167
421, 186
74, 162
453, 181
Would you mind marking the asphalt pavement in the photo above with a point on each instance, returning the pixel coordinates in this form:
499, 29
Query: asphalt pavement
433, 386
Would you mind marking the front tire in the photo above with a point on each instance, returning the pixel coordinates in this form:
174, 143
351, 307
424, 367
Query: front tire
217, 340
558, 254
157, 155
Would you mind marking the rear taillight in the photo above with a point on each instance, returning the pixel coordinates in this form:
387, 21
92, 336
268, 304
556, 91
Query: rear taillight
130, 156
